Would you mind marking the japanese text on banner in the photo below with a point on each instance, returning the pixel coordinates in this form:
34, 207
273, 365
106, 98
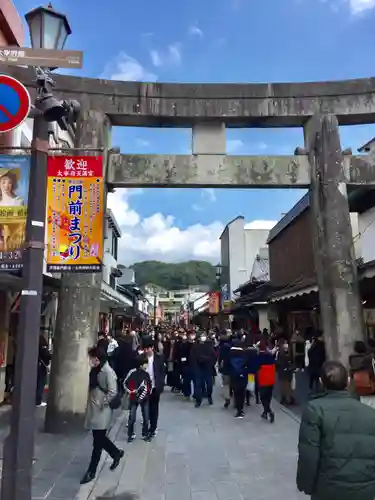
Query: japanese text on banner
75, 214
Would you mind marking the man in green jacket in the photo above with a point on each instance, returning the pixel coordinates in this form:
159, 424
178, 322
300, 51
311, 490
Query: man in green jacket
337, 442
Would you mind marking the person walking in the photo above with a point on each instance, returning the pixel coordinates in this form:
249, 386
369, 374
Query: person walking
44, 360
138, 385
204, 361
266, 379
316, 356
336, 442
156, 371
102, 390
284, 368
238, 367
225, 344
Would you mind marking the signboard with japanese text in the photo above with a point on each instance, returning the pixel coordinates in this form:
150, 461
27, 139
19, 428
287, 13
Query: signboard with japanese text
14, 190
75, 214
214, 303
45, 58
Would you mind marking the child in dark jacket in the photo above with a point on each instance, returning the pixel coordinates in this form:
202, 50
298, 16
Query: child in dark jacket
238, 368
138, 385
266, 379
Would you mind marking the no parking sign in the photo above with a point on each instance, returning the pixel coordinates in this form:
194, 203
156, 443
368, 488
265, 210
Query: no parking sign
14, 103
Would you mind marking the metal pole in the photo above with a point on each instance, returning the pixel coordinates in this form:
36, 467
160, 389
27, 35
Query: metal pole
16, 481
154, 309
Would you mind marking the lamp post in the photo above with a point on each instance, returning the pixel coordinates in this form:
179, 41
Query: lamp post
48, 29
219, 269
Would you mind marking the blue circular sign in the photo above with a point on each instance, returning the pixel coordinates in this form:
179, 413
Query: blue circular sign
14, 103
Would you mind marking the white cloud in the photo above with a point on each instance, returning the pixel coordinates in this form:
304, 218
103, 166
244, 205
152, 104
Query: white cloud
174, 51
209, 193
158, 237
118, 203
359, 6
261, 224
234, 145
142, 143
169, 57
125, 67
195, 31
155, 58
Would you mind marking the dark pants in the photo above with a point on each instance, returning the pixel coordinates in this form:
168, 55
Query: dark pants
299, 361
154, 409
40, 384
239, 390
187, 380
9, 378
266, 397
314, 379
145, 409
203, 382
101, 442
177, 376
256, 392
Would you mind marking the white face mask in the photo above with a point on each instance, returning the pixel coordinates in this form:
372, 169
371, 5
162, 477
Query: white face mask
203, 339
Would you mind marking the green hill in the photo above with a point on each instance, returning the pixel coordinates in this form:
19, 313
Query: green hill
174, 276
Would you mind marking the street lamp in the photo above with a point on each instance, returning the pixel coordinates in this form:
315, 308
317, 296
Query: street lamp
219, 269
48, 29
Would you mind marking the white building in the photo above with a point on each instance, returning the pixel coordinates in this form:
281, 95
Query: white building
240, 243
112, 300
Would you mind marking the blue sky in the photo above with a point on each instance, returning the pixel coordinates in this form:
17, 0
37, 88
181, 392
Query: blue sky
214, 41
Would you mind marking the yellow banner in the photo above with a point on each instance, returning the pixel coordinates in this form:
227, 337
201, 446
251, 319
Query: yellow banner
75, 214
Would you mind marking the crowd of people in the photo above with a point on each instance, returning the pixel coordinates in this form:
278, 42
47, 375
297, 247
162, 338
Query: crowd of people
337, 432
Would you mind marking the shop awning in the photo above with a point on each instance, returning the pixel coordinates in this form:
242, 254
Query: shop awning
113, 297
295, 293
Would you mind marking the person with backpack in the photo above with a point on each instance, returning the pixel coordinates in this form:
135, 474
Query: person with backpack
102, 393
204, 360
238, 370
138, 385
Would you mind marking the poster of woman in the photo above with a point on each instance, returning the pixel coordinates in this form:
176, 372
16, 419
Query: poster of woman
14, 185
9, 179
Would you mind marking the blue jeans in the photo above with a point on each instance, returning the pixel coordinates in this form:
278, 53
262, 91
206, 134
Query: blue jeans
203, 383
187, 380
145, 409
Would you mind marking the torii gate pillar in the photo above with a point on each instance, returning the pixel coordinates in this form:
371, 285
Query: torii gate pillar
335, 262
78, 313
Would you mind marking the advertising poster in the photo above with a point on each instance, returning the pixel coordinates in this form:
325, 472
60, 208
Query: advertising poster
75, 214
214, 303
14, 188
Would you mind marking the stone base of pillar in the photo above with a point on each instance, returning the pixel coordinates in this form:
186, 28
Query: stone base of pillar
76, 332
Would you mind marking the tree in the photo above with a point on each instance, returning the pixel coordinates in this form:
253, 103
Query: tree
174, 276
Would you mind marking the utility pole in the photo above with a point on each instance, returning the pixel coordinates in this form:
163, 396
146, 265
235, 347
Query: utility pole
18, 455
155, 307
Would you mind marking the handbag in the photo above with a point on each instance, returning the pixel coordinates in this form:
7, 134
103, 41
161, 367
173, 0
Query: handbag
250, 383
293, 382
116, 402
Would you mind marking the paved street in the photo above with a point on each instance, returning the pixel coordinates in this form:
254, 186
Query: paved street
200, 454
204, 454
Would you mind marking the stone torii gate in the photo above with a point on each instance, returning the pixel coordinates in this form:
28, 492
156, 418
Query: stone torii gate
208, 109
